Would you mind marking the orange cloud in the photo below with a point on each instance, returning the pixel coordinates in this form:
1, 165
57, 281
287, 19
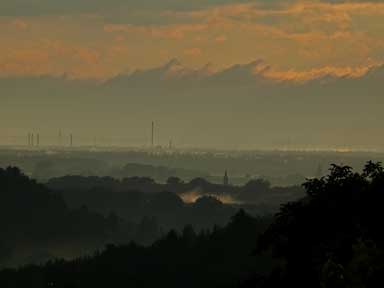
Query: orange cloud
25, 62
295, 36
220, 39
175, 31
20, 24
313, 14
316, 73
192, 52
51, 58
87, 55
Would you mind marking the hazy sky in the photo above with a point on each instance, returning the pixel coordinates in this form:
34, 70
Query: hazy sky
102, 38
249, 74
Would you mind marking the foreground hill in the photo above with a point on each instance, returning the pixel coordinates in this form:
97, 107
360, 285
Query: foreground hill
37, 223
208, 259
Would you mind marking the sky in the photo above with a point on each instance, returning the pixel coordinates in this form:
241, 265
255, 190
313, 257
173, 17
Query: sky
218, 73
100, 38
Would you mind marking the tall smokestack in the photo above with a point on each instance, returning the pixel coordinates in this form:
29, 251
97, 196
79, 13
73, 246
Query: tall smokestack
29, 139
153, 134
32, 140
71, 140
37, 139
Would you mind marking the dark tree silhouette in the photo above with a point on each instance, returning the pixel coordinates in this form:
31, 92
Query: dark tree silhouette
174, 181
218, 258
333, 237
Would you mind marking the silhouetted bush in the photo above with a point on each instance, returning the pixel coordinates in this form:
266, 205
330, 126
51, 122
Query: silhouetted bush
333, 237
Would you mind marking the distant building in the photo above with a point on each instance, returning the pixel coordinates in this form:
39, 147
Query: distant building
226, 178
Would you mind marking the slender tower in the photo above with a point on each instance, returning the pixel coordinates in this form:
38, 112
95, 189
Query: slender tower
29, 139
32, 140
153, 134
71, 140
226, 179
37, 139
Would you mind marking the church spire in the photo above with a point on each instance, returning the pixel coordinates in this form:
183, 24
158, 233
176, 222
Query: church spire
226, 178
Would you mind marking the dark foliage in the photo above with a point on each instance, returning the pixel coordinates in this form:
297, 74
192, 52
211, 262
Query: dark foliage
333, 237
330, 238
28, 210
219, 258
133, 198
35, 221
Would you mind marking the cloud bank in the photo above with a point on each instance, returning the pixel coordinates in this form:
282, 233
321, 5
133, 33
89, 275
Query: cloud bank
102, 39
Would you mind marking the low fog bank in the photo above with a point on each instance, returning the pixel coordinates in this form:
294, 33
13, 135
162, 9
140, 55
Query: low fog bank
280, 168
75, 215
